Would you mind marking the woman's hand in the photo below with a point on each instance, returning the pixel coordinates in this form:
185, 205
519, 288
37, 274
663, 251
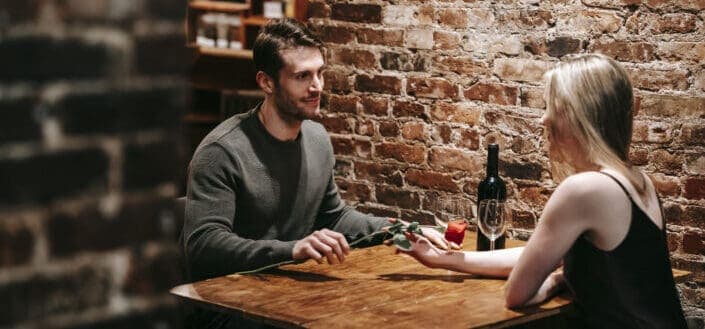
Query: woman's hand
432, 235
423, 251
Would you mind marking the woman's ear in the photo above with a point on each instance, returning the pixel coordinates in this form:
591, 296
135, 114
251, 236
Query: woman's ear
265, 82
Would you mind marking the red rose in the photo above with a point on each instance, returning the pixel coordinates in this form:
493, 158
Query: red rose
455, 232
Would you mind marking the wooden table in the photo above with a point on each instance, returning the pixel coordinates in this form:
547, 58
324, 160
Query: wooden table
373, 288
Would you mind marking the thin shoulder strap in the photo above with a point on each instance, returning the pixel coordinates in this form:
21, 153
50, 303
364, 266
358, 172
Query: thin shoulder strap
620, 185
663, 215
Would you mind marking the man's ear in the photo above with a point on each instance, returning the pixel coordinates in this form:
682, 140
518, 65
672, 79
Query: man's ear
265, 82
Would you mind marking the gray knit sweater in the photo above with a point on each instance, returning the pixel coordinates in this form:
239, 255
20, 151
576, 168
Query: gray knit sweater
251, 197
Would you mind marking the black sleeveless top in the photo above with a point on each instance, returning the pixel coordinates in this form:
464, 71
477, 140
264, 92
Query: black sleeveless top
629, 287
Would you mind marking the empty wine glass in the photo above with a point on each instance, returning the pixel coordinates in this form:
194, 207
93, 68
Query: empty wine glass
493, 216
454, 219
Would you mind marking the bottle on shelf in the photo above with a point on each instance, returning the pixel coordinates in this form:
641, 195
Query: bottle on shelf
492, 187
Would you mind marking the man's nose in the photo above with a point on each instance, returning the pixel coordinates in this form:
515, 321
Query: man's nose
316, 83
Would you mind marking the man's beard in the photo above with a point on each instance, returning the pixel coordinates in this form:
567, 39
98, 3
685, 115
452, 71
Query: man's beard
289, 111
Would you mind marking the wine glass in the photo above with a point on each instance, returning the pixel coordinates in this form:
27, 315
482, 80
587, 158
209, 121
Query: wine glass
454, 220
493, 216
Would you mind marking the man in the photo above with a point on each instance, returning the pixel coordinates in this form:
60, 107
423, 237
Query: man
261, 187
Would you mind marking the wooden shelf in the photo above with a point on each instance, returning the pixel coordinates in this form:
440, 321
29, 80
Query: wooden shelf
201, 118
224, 52
219, 6
255, 20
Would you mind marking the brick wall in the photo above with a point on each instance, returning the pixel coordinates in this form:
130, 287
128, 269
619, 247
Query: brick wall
417, 89
91, 93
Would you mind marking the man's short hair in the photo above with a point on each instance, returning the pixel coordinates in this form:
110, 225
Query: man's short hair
276, 36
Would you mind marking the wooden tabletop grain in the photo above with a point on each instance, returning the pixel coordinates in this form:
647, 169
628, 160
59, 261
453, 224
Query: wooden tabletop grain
372, 288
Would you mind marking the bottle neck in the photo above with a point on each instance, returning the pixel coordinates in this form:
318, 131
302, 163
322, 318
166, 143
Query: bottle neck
492, 161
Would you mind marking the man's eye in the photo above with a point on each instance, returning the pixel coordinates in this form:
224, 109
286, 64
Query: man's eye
302, 76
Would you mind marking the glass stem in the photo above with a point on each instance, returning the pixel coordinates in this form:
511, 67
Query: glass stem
491, 244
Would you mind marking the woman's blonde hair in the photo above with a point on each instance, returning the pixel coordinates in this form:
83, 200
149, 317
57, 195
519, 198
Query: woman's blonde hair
592, 96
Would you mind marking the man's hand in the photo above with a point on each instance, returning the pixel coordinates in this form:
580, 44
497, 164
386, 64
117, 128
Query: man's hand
321, 243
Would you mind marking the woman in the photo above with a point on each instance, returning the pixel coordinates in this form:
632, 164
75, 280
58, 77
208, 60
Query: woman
603, 223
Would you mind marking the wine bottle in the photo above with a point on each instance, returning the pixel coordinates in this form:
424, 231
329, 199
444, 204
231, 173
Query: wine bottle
492, 187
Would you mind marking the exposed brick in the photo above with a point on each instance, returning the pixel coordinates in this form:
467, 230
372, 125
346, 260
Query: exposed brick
445, 40
534, 20
507, 44
16, 245
354, 191
418, 39
659, 80
404, 61
40, 295
520, 169
346, 104
119, 110
401, 152
693, 243
41, 59
694, 188
693, 134
414, 131
492, 93
532, 97
441, 133
465, 65
666, 185
520, 69
408, 109
557, 47
335, 34
683, 51
447, 158
401, 15
337, 80
611, 3
481, 18
694, 215
389, 128
673, 213
359, 58
90, 230
360, 13
379, 84
144, 167
469, 139
395, 196
437, 88
671, 106
639, 157
162, 54
419, 217
431, 180
591, 21
456, 112
625, 51
377, 211
387, 37
534, 195
426, 14
318, 9
375, 105
652, 132
675, 4
695, 164
46, 177
365, 127
378, 173
152, 273
667, 162
452, 17
343, 168
18, 120
347, 146
668, 23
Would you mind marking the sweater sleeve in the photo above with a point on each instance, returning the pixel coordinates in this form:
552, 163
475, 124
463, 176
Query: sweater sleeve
210, 245
334, 214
